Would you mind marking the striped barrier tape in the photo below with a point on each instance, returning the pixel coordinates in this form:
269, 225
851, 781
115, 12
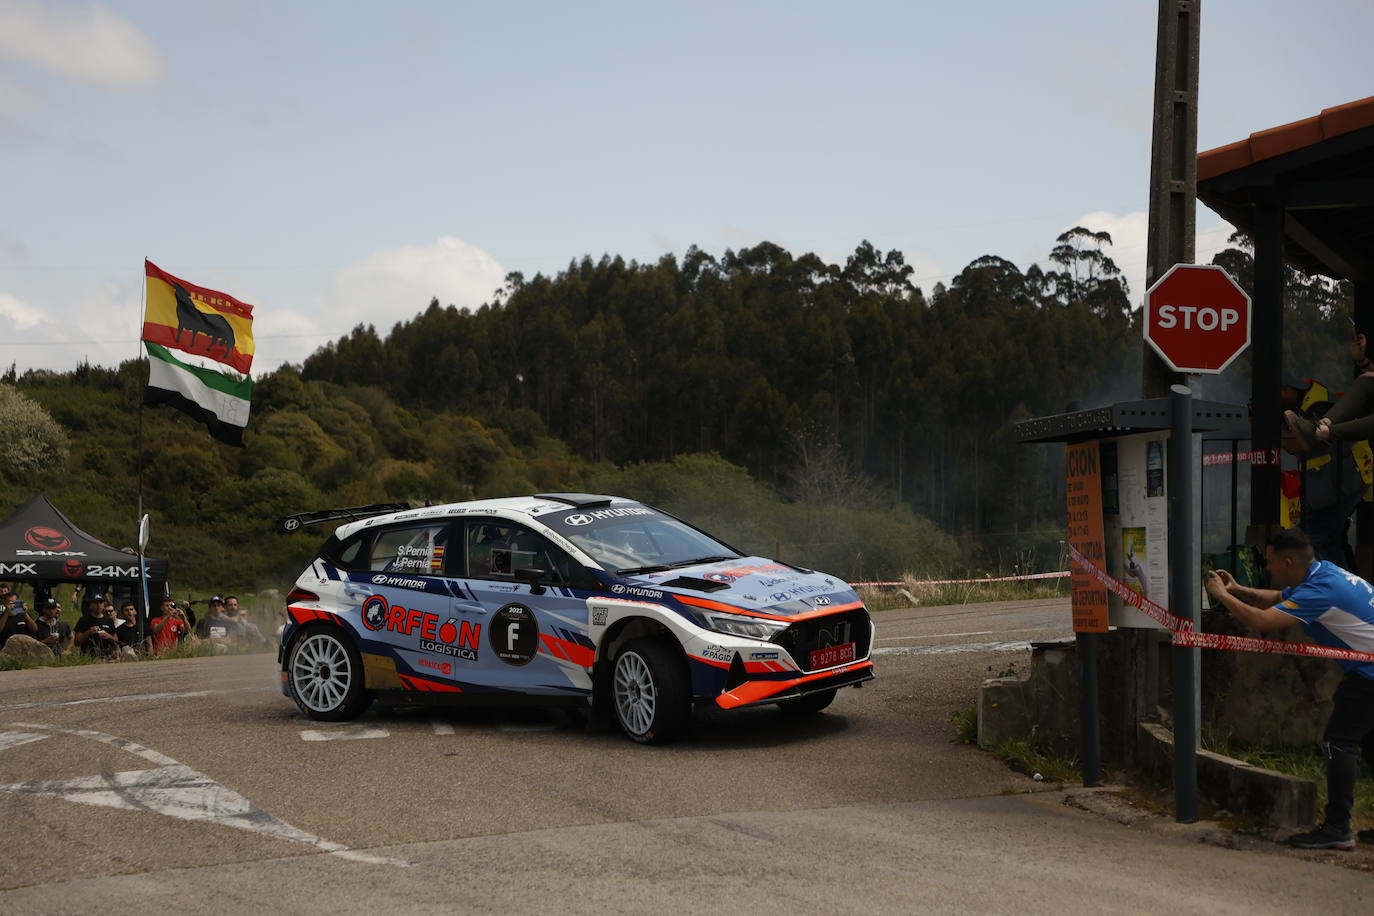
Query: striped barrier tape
1254, 456
1049, 575
1183, 632
1131, 596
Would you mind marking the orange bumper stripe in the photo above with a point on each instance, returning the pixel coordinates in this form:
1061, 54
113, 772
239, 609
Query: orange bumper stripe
753, 691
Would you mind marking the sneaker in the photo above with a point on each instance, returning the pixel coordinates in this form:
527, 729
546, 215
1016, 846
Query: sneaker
1323, 837
1305, 430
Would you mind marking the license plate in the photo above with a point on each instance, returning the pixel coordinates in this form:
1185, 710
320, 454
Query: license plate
832, 655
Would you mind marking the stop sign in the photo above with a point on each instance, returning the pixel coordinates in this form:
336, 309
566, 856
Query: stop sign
1197, 318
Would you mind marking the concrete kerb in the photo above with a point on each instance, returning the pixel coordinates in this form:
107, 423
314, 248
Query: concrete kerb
1280, 800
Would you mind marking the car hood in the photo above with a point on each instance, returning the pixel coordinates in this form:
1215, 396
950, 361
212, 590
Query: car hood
751, 583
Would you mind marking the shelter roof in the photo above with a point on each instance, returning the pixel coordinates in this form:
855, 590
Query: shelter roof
1320, 170
38, 542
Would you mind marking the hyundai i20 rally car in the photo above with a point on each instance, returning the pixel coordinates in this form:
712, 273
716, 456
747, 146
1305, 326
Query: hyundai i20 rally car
561, 598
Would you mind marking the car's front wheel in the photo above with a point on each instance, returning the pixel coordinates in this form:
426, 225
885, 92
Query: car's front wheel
650, 692
325, 675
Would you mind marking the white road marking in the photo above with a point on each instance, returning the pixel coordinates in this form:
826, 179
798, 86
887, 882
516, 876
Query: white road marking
441, 728
131, 698
1018, 646
972, 633
15, 739
345, 733
171, 789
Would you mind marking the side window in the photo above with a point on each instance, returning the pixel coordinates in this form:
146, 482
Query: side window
417, 550
500, 550
349, 554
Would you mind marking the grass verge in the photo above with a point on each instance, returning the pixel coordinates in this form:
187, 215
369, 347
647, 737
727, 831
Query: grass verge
916, 593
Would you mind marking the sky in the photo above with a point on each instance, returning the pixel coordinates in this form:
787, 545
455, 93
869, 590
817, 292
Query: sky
335, 163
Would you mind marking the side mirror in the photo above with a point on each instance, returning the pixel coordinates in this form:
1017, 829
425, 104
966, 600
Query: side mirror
532, 577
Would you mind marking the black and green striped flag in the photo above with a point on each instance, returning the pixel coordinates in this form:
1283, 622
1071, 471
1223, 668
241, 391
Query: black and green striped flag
215, 399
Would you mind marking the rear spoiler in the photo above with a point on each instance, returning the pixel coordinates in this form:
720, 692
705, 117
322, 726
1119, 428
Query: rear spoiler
293, 523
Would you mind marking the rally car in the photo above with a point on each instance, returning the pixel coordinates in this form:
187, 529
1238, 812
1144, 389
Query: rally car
561, 598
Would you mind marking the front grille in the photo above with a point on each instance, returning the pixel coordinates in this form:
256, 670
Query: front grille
803, 638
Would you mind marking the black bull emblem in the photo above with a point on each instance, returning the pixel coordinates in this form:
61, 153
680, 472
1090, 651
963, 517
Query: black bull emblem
190, 318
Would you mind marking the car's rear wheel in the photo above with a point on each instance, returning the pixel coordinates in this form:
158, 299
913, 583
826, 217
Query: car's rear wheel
811, 703
649, 691
325, 674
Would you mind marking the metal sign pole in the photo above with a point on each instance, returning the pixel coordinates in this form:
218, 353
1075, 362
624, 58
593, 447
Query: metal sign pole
143, 575
1184, 551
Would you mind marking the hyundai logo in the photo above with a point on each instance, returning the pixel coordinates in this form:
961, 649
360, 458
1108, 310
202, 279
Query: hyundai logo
577, 521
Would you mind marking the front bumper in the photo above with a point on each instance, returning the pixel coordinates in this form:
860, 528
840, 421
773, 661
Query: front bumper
758, 693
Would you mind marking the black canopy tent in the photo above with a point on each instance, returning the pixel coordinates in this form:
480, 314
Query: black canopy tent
39, 544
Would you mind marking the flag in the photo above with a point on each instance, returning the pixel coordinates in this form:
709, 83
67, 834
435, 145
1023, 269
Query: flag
197, 320
213, 398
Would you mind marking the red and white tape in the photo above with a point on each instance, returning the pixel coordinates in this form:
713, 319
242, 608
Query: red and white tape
1183, 633
1130, 595
1254, 456
1026, 578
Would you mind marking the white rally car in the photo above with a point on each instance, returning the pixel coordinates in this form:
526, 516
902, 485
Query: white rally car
561, 598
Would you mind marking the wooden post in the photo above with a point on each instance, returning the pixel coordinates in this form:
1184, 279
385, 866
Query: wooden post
1173, 163
1173, 206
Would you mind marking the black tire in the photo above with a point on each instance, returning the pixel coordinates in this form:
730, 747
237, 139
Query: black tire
325, 675
809, 704
649, 691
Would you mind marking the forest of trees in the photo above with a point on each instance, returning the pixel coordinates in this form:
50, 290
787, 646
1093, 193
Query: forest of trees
841, 415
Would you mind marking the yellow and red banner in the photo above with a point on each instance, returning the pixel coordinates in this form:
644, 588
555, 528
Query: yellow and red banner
197, 320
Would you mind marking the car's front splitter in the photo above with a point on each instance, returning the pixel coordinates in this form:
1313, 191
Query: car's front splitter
753, 693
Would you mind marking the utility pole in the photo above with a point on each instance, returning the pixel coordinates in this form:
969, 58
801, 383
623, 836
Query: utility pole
1173, 224
1173, 163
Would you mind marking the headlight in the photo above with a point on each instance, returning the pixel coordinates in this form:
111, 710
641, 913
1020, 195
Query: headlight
748, 627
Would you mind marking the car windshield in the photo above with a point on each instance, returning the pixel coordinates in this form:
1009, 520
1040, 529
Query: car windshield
645, 543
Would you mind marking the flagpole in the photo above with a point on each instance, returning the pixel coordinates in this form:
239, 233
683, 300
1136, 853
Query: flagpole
142, 519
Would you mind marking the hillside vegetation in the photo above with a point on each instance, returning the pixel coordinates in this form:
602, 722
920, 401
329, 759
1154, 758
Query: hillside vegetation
836, 416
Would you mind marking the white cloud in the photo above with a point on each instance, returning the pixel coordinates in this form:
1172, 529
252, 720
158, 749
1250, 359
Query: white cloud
1130, 243
284, 335
100, 325
395, 284
926, 269
21, 315
89, 44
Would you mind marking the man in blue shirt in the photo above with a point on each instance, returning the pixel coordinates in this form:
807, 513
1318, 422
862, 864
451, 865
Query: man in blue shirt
1335, 608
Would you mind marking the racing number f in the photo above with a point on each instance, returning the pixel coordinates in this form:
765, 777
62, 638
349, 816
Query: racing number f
512, 633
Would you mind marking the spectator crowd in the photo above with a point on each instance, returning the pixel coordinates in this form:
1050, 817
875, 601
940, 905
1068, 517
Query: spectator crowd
113, 630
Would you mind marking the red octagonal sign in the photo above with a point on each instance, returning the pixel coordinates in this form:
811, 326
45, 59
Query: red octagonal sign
1197, 318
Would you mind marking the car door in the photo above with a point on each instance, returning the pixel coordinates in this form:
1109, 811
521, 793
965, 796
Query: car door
534, 636
408, 605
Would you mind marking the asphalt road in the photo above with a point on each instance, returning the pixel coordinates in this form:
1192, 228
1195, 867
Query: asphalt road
194, 785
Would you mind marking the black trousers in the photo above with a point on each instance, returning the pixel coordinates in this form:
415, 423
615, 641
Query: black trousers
1349, 735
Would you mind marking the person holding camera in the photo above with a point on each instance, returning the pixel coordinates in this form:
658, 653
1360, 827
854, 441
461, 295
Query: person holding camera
168, 628
95, 631
53, 633
18, 620
1335, 608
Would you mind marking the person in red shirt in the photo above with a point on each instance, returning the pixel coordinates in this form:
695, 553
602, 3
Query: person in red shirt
168, 628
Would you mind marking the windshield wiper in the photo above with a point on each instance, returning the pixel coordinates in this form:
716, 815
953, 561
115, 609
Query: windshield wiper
698, 561
636, 570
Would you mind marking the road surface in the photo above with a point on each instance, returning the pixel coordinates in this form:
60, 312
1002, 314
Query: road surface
194, 785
